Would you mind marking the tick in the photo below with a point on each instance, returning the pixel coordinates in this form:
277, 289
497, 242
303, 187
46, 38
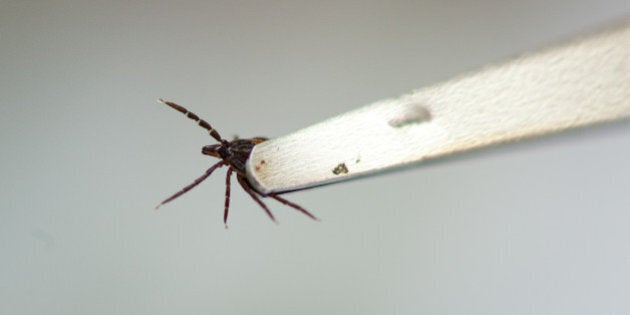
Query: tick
233, 154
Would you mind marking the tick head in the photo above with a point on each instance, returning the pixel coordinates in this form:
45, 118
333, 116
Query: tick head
212, 150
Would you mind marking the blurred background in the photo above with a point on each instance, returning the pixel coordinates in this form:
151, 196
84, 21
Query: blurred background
539, 227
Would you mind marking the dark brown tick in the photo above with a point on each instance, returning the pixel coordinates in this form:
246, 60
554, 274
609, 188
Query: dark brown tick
234, 154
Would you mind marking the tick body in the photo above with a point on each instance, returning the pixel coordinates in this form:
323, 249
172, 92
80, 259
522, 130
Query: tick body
233, 154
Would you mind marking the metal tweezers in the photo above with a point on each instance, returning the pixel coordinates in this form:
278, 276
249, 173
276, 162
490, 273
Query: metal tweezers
580, 83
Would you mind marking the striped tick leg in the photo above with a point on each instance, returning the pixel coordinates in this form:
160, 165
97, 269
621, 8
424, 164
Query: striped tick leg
204, 124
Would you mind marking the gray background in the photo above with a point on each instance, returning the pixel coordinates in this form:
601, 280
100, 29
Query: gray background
540, 227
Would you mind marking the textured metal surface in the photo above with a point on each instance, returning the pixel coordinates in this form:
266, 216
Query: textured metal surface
583, 82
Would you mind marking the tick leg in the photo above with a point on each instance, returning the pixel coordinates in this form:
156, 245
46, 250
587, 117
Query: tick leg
293, 205
204, 124
227, 196
243, 181
191, 186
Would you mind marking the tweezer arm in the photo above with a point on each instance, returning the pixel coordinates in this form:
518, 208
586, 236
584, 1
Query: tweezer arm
580, 83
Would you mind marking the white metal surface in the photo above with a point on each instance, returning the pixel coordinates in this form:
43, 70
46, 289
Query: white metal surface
583, 82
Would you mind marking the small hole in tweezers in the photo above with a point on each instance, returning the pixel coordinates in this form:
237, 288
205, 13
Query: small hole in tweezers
413, 114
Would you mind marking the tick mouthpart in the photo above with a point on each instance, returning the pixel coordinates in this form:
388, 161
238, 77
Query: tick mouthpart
212, 150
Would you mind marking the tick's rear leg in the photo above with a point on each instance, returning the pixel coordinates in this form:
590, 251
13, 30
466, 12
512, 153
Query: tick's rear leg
294, 206
227, 195
243, 181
